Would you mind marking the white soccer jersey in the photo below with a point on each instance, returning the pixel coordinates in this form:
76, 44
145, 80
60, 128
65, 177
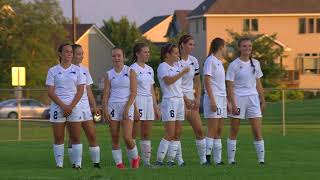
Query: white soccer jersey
119, 85
172, 90
244, 76
65, 81
187, 79
213, 67
89, 81
145, 79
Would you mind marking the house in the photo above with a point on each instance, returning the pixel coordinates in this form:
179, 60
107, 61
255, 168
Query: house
179, 23
155, 29
296, 23
96, 46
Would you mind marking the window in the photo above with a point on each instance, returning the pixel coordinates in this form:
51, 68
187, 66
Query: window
254, 25
302, 25
311, 25
204, 24
250, 25
246, 25
309, 63
318, 25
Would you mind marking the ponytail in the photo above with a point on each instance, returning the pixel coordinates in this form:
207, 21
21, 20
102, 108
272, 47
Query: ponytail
183, 40
215, 45
60, 48
251, 61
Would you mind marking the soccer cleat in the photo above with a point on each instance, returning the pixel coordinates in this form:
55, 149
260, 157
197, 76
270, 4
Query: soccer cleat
170, 164
182, 164
96, 165
135, 163
77, 168
261, 163
150, 166
206, 164
159, 164
121, 166
73, 165
59, 166
208, 157
220, 163
233, 163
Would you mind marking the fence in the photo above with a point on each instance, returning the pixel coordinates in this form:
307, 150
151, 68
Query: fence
284, 107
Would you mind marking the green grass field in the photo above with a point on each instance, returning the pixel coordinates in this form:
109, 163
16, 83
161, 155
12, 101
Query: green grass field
295, 156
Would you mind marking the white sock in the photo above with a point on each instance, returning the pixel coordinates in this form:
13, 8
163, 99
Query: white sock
209, 145
172, 150
133, 153
70, 156
145, 146
77, 154
201, 147
117, 156
259, 145
162, 150
179, 157
231, 147
217, 150
95, 154
58, 150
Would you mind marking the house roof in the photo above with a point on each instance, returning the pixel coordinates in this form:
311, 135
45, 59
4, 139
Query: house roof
256, 7
80, 30
145, 27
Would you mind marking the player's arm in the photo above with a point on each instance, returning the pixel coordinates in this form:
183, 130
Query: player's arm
197, 89
172, 79
105, 99
155, 103
261, 94
207, 84
133, 93
52, 95
77, 97
92, 100
231, 98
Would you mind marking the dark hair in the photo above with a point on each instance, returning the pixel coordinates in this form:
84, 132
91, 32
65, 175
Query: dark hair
167, 49
183, 39
216, 43
239, 44
60, 48
75, 46
136, 49
119, 48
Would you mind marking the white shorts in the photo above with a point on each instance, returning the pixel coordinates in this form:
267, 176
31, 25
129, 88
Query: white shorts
86, 111
248, 106
189, 95
172, 109
87, 115
56, 114
116, 109
145, 107
221, 112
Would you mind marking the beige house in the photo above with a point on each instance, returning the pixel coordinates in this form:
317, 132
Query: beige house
296, 23
97, 49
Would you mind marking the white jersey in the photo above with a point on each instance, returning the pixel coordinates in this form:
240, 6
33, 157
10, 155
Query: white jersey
187, 79
119, 85
145, 79
89, 81
172, 90
213, 67
65, 81
244, 76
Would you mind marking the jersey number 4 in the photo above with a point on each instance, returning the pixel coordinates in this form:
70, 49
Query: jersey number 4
112, 113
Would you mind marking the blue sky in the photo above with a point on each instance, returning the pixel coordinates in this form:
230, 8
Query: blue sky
94, 11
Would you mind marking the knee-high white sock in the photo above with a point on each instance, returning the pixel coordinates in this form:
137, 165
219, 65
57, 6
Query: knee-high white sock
117, 156
95, 154
231, 147
145, 146
179, 156
217, 150
201, 147
133, 153
209, 145
77, 154
70, 155
172, 150
58, 150
259, 145
162, 150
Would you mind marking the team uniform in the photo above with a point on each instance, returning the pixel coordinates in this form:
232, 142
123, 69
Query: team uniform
188, 91
244, 75
65, 82
119, 93
172, 108
144, 101
213, 67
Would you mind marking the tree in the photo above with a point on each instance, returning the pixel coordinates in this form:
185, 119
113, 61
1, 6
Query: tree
28, 37
266, 50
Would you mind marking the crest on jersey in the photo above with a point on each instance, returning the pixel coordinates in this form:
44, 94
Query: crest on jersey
125, 75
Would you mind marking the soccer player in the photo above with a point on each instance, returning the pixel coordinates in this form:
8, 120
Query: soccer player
215, 100
245, 93
146, 104
65, 84
172, 105
120, 90
86, 101
191, 88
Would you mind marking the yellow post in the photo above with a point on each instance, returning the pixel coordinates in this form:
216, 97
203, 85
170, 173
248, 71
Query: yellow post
283, 113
